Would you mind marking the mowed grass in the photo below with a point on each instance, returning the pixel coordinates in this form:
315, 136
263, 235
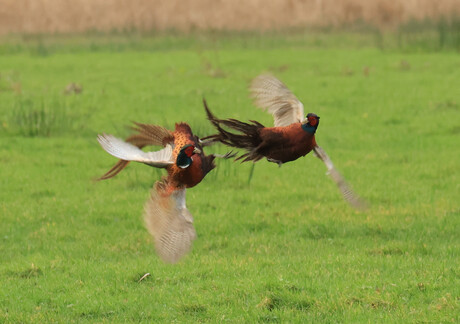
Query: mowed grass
284, 247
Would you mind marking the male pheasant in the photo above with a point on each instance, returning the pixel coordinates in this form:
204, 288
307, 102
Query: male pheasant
292, 137
166, 215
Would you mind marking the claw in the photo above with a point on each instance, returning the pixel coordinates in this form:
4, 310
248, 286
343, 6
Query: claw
275, 161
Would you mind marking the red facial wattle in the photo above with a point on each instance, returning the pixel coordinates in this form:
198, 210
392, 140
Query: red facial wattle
189, 150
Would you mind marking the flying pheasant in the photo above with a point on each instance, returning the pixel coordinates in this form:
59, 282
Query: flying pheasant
166, 215
292, 137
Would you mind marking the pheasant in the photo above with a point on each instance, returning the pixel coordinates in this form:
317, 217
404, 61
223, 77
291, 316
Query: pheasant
292, 137
166, 216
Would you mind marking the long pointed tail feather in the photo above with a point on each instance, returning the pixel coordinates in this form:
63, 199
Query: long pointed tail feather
248, 138
117, 168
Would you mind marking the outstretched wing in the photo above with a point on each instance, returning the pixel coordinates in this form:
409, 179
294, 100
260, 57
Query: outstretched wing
128, 152
347, 193
170, 223
271, 95
146, 134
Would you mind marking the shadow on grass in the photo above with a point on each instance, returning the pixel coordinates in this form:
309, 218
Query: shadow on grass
193, 309
30, 272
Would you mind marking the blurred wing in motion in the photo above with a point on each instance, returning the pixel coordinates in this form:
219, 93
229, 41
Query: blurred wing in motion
272, 95
128, 152
348, 194
170, 223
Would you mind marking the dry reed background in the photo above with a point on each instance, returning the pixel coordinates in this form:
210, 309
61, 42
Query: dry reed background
69, 16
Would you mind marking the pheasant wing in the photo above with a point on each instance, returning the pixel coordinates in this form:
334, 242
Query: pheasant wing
170, 223
128, 152
272, 95
348, 194
146, 134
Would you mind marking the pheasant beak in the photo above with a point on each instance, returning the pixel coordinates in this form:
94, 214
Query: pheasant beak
196, 150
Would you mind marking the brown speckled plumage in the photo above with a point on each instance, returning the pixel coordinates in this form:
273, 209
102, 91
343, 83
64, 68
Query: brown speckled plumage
166, 215
202, 164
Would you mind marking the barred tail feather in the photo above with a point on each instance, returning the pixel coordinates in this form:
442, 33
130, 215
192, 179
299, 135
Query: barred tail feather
117, 168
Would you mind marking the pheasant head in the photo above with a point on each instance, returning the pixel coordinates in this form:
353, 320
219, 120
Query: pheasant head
184, 158
311, 123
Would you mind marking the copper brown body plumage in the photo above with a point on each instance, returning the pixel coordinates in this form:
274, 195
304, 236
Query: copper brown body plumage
278, 144
292, 137
286, 143
166, 216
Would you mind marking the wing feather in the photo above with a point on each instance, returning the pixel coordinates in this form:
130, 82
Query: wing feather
128, 152
347, 193
170, 223
272, 95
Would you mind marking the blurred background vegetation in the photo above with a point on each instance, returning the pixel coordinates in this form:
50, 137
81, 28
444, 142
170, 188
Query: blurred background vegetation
407, 24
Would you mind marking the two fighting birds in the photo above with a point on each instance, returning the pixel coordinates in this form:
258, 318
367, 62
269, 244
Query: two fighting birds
166, 216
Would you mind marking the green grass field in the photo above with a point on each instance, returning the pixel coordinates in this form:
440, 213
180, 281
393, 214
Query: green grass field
284, 247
